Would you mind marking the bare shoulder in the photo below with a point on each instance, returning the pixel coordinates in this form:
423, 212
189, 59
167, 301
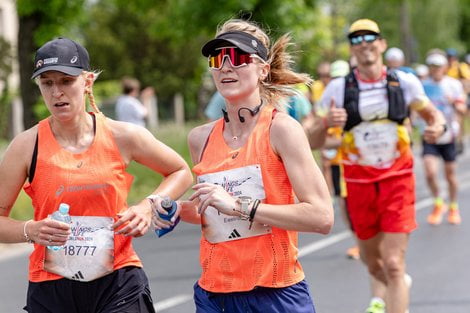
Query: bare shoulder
285, 131
20, 150
283, 124
197, 138
126, 133
198, 135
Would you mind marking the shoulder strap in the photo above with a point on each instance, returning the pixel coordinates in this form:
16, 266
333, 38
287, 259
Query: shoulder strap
351, 101
32, 166
201, 154
397, 110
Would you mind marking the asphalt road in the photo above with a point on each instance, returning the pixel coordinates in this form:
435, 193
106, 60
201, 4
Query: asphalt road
438, 260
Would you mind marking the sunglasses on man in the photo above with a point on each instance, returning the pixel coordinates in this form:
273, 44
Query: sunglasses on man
237, 57
357, 40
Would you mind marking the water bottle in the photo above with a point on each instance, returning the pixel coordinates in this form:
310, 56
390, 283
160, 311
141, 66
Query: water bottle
61, 215
169, 206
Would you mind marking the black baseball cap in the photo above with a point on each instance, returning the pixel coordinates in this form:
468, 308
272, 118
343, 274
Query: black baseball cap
63, 55
239, 39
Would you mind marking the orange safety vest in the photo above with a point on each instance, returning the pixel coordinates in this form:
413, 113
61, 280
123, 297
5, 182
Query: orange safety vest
93, 183
269, 260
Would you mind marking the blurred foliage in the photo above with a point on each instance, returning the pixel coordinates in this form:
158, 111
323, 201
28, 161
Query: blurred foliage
433, 23
56, 17
159, 41
5, 92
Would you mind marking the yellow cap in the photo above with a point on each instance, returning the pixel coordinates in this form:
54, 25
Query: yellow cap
364, 25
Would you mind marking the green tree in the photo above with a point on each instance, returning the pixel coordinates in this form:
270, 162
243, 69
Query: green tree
39, 22
159, 42
5, 93
415, 26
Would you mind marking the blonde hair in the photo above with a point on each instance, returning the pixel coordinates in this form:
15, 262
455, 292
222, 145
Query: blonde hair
280, 82
89, 92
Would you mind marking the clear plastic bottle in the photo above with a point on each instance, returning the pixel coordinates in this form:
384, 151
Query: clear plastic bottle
170, 206
61, 215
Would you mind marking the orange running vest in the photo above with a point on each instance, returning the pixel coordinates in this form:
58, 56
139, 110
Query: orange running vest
268, 260
93, 183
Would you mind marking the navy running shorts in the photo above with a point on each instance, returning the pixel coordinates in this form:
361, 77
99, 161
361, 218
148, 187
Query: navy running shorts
448, 152
123, 291
295, 298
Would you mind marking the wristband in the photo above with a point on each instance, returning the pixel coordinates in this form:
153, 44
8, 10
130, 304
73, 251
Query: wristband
253, 211
26, 237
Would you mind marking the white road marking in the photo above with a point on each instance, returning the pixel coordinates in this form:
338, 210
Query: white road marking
171, 302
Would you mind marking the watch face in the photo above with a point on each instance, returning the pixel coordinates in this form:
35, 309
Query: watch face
244, 199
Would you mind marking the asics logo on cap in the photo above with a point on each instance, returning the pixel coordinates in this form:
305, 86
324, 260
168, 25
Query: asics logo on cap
74, 59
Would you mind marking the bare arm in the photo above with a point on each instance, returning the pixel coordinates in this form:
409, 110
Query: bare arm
13, 173
314, 212
316, 127
435, 122
138, 144
196, 141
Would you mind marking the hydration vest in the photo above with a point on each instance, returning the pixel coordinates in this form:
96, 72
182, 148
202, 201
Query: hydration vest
397, 110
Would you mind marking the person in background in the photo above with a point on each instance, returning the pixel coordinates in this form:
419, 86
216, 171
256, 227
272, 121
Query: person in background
461, 71
318, 85
298, 105
331, 157
422, 71
213, 110
395, 59
128, 106
80, 158
257, 182
448, 96
371, 104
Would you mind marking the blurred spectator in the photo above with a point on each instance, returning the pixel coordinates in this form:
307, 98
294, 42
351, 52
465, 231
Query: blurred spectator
395, 59
447, 94
321, 80
299, 105
128, 106
422, 71
456, 69
215, 106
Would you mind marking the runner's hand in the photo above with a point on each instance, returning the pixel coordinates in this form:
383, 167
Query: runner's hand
215, 196
157, 221
48, 232
336, 117
432, 133
135, 220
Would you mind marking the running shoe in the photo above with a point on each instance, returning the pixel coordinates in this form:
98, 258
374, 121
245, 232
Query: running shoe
435, 218
376, 306
353, 253
454, 217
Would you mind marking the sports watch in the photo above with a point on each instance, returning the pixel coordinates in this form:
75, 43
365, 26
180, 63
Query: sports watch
245, 202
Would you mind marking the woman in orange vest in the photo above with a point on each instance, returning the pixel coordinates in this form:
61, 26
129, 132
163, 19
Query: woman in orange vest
257, 182
80, 158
